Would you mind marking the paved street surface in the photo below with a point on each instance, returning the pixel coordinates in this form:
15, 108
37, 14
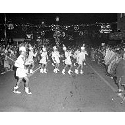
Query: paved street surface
90, 92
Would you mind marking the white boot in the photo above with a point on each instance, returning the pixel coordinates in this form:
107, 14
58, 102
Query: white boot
63, 71
41, 70
45, 71
58, 70
31, 71
76, 71
16, 87
81, 72
120, 90
55, 70
15, 90
120, 94
69, 72
27, 90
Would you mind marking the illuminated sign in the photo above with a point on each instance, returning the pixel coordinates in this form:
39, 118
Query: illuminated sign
105, 29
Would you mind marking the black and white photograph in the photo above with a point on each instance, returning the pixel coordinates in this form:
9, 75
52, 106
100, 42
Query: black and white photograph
62, 62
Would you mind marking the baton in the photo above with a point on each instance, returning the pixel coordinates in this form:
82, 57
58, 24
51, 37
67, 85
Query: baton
34, 71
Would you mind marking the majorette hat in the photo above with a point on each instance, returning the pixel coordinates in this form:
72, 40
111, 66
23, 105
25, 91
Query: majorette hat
82, 48
30, 48
54, 48
103, 44
22, 48
64, 48
44, 49
83, 45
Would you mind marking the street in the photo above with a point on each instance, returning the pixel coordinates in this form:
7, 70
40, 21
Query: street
90, 92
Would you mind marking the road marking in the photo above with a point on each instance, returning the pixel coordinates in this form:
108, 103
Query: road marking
114, 90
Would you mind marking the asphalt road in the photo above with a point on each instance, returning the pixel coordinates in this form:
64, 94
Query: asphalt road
90, 92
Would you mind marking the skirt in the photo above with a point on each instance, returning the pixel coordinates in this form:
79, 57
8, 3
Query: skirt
21, 73
68, 62
43, 61
80, 62
57, 60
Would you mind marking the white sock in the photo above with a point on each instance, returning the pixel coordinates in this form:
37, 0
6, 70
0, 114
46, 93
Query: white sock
16, 87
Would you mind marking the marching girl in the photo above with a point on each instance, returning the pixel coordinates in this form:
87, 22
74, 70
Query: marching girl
81, 60
56, 59
67, 60
22, 72
43, 61
75, 56
30, 60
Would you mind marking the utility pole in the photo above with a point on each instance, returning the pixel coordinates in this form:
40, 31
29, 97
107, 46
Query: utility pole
5, 32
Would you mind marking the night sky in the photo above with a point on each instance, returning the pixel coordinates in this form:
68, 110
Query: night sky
65, 18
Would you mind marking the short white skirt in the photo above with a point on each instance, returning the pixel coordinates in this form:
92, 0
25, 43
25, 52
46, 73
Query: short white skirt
68, 62
21, 73
57, 60
43, 61
81, 61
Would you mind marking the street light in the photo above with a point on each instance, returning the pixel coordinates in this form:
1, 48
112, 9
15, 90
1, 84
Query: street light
57, 19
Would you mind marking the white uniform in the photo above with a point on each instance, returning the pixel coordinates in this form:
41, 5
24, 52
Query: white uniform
22, 48
44, 58
21, 71
76, 55
56, 56
81, 57
30, 60
68, 58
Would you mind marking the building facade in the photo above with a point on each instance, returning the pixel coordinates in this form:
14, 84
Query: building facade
121, 22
